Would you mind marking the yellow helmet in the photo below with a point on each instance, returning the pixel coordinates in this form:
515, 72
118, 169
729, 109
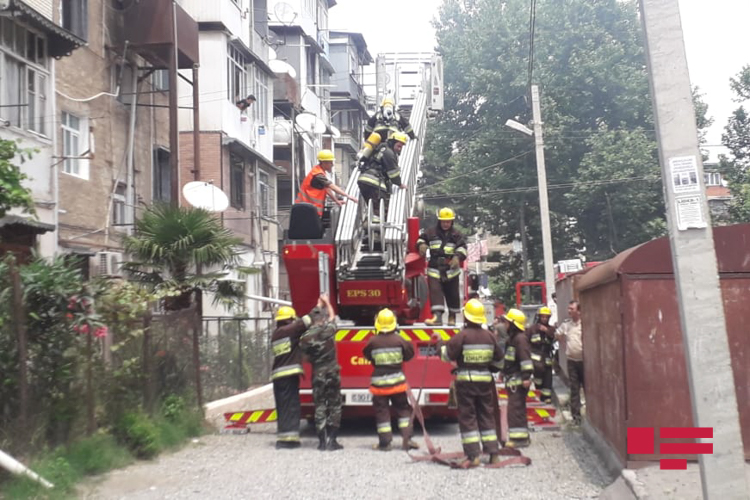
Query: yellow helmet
385, 322
446, 214
400, 137
516, 317
285, 312
387, 101
325, 155
474, 312
545, 311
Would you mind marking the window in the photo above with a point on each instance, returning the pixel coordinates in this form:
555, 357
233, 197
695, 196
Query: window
712, 178
311, 68
119, 215
266, 195
237, 182
160, 80
74, 145
322, 17
261, 94
260, 17
162, 175
24, 77
75, 17
236, 75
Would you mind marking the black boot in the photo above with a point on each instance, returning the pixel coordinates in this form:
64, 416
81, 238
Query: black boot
332, 443
322, 439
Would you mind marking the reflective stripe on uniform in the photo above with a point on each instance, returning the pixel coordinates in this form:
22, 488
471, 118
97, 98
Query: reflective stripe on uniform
281, 347
388, 356
536, 357
470, 437
478, 353
527, 365
536, 338
518, 433
514, 382
474, 376
510, 354
286, 371
548, 361
462, 251
452, 273
433, 273
403, 422
449, 248
384, 427
435, 244
287, 436
490, 435
390, 379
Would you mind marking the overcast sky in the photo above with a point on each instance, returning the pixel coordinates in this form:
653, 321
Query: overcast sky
715, 37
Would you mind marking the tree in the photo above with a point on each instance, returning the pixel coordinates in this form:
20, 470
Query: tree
12, 192
736, 137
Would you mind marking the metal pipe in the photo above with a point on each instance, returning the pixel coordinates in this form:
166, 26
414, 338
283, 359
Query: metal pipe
269, 300
174, 137
196, 126
11, 464
129, 170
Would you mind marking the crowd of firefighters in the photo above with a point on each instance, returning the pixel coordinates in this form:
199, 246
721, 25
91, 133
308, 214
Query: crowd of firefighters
476, 351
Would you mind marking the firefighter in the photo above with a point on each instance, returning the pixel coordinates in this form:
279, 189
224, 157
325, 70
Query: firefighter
287, 367
316, 185
542, 338
387, 351
475, 350
447, 253
387, 121
518, 369
381, 172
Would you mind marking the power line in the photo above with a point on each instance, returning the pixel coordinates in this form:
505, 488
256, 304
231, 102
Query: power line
520, 155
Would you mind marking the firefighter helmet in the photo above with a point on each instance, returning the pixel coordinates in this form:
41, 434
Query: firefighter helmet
285, 312
325, 155
516, 317
545, 311
400, 137
387, 101
446, 214
474, 312
385, 322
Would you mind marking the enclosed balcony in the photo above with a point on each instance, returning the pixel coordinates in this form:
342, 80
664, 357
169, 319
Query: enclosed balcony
150, 29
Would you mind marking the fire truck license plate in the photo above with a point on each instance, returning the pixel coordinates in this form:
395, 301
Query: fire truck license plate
361, 398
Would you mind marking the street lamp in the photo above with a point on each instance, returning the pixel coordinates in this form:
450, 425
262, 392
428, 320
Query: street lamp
549, 271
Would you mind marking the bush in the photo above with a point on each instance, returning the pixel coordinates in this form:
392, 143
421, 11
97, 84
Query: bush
136, 431
97, 454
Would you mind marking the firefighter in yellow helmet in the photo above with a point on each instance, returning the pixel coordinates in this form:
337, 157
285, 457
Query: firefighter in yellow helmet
286, 370
387, 351
447, 253
380, 172
542, 338
476, 351
316, 185
387, 121
518, 369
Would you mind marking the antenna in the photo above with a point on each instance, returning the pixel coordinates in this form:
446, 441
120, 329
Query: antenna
284, 13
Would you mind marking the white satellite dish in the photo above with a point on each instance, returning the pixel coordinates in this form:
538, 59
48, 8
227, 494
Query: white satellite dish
284, 13
335, 133
311, 123
205, 195
271, 54
282, 68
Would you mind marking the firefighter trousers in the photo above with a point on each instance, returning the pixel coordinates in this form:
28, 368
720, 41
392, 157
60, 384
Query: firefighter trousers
518, 428
543, 378
402, 408
442, 292
327, 399
370, 192
476, 417
286, 394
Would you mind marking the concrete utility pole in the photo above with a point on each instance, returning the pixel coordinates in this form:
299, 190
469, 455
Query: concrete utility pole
709, 366
541, 172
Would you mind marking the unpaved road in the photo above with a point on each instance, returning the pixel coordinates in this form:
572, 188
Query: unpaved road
249, 467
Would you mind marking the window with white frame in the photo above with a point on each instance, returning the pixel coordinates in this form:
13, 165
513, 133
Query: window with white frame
712, 178
160, 80
162, 175
119, 215
261, 94
310, 6
236, 74
322, 17
24, 77
74, 139
266, 192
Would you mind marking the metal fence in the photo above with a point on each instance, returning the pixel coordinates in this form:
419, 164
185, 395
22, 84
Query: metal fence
234, 355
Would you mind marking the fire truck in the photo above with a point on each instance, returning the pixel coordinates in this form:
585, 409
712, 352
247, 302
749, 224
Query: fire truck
366, 266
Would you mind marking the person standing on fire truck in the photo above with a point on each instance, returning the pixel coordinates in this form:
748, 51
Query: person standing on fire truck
542, 338
287, 367
518, 369
387, 351
316, 185
319, 345
475, 350
447, 253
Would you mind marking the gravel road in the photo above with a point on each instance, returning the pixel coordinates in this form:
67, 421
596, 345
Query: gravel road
247, 466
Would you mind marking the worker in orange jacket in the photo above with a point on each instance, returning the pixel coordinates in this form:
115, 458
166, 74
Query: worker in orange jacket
316, 185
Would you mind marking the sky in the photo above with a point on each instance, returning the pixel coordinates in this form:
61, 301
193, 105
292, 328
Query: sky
715, 34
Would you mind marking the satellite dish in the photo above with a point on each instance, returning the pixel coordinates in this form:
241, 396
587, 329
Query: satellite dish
205, 195
284, 13
311, 123
282, 68
271, 54
335, 133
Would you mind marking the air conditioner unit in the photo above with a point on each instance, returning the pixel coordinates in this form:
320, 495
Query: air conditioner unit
107, 264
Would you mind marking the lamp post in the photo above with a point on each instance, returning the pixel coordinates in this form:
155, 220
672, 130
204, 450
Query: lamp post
541, 170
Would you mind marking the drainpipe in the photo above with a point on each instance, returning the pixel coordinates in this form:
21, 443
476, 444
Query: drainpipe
55, 170
129, 172
11, 464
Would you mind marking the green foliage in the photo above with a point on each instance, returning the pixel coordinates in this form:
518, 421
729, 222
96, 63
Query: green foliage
136, 431
173, 408
12, 192
736, 137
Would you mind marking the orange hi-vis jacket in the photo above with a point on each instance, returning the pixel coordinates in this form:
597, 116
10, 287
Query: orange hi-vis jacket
309, 194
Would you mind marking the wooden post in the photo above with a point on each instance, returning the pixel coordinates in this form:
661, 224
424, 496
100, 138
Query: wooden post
19, 320
197, 326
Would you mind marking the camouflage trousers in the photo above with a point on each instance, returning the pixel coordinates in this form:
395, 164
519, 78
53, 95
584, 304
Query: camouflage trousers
327, 399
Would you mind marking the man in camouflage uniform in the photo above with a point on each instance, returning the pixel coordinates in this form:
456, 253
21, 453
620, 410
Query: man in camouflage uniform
319, 345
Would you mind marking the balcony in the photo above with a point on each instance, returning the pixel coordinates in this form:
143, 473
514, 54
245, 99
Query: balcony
224, 14
348, 87
148, 28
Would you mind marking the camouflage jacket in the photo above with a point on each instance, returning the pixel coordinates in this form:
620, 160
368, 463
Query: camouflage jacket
319, 345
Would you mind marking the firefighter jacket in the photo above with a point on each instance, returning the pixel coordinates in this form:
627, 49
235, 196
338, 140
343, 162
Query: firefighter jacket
385, 128
444, 245
541, 343
313, 189
475, 351
287, 357
387, 352
517, 363
382, 169
319, 345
